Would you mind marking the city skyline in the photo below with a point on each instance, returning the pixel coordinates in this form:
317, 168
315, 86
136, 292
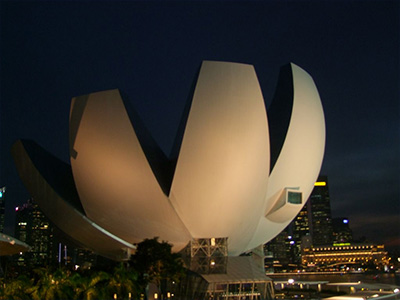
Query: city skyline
52, 52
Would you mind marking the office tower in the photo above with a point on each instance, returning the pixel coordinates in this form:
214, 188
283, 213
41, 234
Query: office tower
319, 208
341, 230
279, 252
2, 207
299, 228
33, 228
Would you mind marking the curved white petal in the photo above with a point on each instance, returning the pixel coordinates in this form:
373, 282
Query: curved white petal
222, 185
116, 185
221, 175
299, 161
49, 181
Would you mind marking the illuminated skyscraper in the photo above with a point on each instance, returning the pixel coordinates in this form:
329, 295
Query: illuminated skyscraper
33, 228
319, 206
299, 228
312, 226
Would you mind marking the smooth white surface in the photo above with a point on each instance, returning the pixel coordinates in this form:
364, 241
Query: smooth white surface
65, 216
115, 183
300, 160
221, 176
221, 186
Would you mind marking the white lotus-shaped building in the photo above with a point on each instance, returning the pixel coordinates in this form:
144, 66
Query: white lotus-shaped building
237, 172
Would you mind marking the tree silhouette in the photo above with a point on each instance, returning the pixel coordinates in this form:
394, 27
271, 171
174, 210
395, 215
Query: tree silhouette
157, 264
123, 282
90, 287
16, 289
52, 285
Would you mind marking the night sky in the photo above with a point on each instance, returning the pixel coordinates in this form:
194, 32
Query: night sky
53, 51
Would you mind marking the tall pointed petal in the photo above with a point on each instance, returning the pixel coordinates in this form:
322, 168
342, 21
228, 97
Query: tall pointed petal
49, 181
221, 175
115, 182
300, 157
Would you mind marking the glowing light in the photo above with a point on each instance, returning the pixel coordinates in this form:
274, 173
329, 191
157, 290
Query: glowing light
212, 262
396, 291
341, 244
212, 241
320, 183
155, 296
290, 281
345, 221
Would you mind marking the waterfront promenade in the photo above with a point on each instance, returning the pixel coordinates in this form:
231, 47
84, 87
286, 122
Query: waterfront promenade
336, 286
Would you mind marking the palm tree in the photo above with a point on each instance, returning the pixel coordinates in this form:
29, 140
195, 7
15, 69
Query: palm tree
157, 264
51, 285
16, 289
123, 283
90, 287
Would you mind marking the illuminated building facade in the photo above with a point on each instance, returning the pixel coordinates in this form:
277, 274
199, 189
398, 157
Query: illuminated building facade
298, 230
34, 228
319, 207
300, 225
279, 252
311, 226
218, 276
353, 255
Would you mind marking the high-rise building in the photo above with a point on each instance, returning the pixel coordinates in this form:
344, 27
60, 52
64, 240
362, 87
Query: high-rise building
280, 252
48, 245
299, 228
2, 207
319, 208
312, 226
341, 230
33, 228
300, 225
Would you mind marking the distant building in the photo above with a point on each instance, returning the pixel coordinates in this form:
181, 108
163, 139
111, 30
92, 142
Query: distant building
301, 225
33, 228
311, 226
281, 253
357, 256
341, 230
319, 211
298, 229
48, 245
2, 207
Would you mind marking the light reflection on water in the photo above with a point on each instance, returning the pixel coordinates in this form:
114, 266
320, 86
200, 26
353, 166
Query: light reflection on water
386, 278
